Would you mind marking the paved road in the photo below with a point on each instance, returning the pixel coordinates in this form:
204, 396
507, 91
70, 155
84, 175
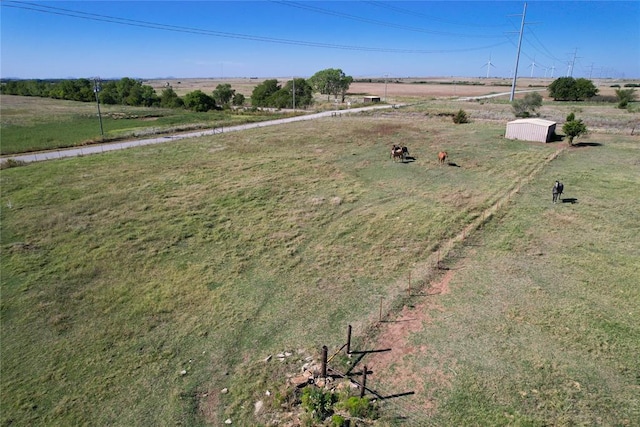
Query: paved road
102, 148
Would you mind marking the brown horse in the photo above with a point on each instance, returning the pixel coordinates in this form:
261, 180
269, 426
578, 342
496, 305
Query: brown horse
442, 157
397, 152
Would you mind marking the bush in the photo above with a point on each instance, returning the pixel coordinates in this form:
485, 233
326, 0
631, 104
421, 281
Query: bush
360, 407
338, 421
318, 403
625, 96
527, 106
461, 117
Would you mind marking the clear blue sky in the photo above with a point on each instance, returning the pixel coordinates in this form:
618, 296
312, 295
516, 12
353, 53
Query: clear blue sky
149, 39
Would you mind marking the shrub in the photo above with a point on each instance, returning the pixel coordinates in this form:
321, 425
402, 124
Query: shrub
527, 106
625, 96
338, 421
360, 407
318, 403
460, 117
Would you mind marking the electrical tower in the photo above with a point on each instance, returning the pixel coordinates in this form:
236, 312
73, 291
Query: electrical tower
515, 72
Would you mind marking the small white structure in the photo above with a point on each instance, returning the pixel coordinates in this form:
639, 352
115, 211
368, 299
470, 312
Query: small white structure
531, 130
371, 99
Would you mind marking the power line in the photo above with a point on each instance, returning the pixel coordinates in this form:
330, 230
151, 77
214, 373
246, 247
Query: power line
198, 31
414, 13
316, 9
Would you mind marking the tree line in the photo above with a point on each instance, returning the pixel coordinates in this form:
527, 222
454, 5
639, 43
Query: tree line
296, 93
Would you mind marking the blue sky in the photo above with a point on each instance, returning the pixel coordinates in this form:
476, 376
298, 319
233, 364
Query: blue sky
182, 39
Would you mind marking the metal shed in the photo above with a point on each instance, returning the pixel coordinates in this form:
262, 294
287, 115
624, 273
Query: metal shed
531, 130
371, 99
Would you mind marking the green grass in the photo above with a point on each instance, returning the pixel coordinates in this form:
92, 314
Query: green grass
121, 270
540, 326
26, 127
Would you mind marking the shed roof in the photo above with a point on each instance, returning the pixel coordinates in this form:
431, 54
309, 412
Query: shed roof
534, 121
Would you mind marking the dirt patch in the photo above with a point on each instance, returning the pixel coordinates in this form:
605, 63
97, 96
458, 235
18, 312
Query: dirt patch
395, 335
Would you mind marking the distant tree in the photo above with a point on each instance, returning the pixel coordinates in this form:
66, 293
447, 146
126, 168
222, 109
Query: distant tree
625, 96
109, 93
238, 99
282, 98
585, 89
527, 106
262, 92
331, 81
199, 101
124, 86
170, 99
570, 89
84, 90
149, 96
573, 128
304, 92
223, 94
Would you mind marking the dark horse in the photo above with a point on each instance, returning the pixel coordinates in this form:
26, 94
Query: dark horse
399, 152
558, 188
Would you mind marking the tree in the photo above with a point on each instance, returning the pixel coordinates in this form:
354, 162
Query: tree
331, 81
199, 101
124, 87
109, 93
238, 99
304, 92
223, 94
528, 105
625, 96
263, 91
570, 89
170, 99
573, 128
282, 98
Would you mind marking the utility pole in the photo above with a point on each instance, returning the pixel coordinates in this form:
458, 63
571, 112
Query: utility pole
515, 73
294, 92
385, 87
96, 89
572, 63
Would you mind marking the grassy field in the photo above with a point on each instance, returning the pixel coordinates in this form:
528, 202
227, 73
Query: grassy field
137, 285
34, 124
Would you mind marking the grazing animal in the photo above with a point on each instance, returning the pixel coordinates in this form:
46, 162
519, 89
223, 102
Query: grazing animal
398, 152
558, 188
442, 157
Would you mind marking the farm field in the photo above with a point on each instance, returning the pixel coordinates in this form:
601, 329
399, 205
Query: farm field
30, 124
137, 285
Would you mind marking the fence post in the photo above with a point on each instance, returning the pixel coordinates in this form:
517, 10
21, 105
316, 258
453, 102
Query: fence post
349, 339
324, 361
364, 382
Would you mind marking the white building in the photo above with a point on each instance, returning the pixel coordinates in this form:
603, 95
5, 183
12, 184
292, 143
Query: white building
531, 130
